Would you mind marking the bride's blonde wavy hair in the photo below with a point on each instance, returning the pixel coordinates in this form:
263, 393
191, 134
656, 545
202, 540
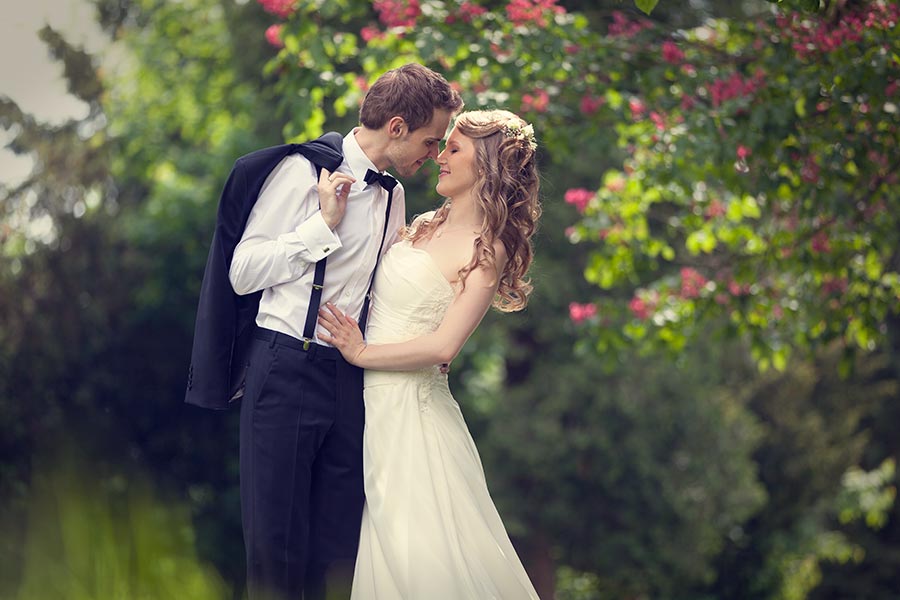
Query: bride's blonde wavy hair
506, 190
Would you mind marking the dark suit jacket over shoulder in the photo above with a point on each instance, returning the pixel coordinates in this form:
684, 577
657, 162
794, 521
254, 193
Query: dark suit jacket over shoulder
225, 320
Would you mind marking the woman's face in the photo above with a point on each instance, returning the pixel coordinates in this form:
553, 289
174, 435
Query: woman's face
457, 162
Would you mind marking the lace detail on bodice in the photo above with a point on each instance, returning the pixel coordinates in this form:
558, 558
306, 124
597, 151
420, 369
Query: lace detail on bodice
410, 296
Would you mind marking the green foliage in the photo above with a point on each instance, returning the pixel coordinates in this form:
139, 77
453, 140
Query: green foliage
641, 475
759, 158
109, 535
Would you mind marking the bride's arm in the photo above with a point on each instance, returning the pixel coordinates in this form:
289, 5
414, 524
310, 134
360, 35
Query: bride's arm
441, 346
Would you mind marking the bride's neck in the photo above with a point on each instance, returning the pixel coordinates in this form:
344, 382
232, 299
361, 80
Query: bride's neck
463, 212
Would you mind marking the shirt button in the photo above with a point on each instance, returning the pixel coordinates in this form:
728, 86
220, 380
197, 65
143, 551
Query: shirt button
326, 249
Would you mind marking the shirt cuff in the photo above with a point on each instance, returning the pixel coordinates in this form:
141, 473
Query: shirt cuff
318, 239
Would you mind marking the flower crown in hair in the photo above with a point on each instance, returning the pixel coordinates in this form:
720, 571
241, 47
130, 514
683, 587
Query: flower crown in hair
514, 128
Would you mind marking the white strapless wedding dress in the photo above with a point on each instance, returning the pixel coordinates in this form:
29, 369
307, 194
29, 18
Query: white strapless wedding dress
429, 530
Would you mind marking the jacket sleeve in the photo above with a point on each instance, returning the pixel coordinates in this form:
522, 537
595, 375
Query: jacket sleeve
285, 232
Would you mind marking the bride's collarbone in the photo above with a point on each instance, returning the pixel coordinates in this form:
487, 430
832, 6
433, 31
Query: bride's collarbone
451, 252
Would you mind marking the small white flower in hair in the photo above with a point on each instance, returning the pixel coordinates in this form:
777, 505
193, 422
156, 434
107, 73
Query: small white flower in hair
518, 129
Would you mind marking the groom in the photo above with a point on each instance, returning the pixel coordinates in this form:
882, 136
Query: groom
302, 414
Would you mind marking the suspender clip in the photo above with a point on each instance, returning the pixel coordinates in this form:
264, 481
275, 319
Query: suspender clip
305, 343
318, 286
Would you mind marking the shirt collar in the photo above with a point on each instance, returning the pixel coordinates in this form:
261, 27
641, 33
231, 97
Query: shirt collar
357, 160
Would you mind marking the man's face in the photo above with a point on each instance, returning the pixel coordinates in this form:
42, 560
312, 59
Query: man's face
411, 150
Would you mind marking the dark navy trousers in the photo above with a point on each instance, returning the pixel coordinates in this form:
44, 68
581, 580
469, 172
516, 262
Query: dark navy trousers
300, 469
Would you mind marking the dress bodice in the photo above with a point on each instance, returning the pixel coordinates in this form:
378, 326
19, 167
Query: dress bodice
410, 296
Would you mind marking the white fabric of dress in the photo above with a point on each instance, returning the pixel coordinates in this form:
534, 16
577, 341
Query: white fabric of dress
430, 530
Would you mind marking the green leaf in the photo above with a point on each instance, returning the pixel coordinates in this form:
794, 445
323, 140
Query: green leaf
646, 5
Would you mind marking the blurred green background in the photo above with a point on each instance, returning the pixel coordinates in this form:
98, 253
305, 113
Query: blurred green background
701, 399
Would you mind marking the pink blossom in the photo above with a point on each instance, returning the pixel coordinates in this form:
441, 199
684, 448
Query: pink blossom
671, 53
369, 33
524, 12
280, 8
820, 243
834, 285
397, 13
687, 102
715, 209
591, 104
616, 184
743, 152
466, 12
692, 283
273, 35
579, 197
622, 26
639, 308
581, 312
537, 102
735, 86
658, 120
637, 108
362, 83
809, 172
736, 289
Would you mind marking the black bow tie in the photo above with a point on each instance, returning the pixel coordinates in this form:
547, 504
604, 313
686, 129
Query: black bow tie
386, 181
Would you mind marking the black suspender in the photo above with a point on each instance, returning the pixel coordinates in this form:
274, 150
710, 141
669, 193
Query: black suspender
315, 298
364, 315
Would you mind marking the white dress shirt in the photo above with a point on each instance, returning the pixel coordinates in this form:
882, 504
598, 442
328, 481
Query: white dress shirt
286, 235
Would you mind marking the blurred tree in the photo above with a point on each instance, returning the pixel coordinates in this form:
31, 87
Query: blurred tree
635, 468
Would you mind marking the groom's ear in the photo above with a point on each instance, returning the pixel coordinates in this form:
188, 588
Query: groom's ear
397, 126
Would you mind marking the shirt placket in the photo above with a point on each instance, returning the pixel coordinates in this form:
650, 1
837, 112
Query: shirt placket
360, 280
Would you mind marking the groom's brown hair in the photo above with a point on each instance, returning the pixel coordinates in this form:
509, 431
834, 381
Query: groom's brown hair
413, 92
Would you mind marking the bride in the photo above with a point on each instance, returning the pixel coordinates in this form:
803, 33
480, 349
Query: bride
430, 530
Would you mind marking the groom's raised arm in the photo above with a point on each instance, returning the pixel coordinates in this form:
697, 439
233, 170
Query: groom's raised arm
285, 232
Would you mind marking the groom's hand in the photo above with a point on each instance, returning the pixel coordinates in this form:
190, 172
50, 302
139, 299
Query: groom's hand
333, 191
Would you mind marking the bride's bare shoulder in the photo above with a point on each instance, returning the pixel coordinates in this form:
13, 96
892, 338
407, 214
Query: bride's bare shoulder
423, 218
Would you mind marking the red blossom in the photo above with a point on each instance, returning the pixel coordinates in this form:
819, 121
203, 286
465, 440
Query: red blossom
538, 102
640, 309
579, 197
811, 36
273, 35
466, 12
524, 12
809, 172
622, 26
737, 289
637, 107
692, 283
397, 13
591, 104
581, 312
834, 285
671, 53
369, 33
820, 243
279, 8
735, 86
715, 209
743, 152
687, 102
